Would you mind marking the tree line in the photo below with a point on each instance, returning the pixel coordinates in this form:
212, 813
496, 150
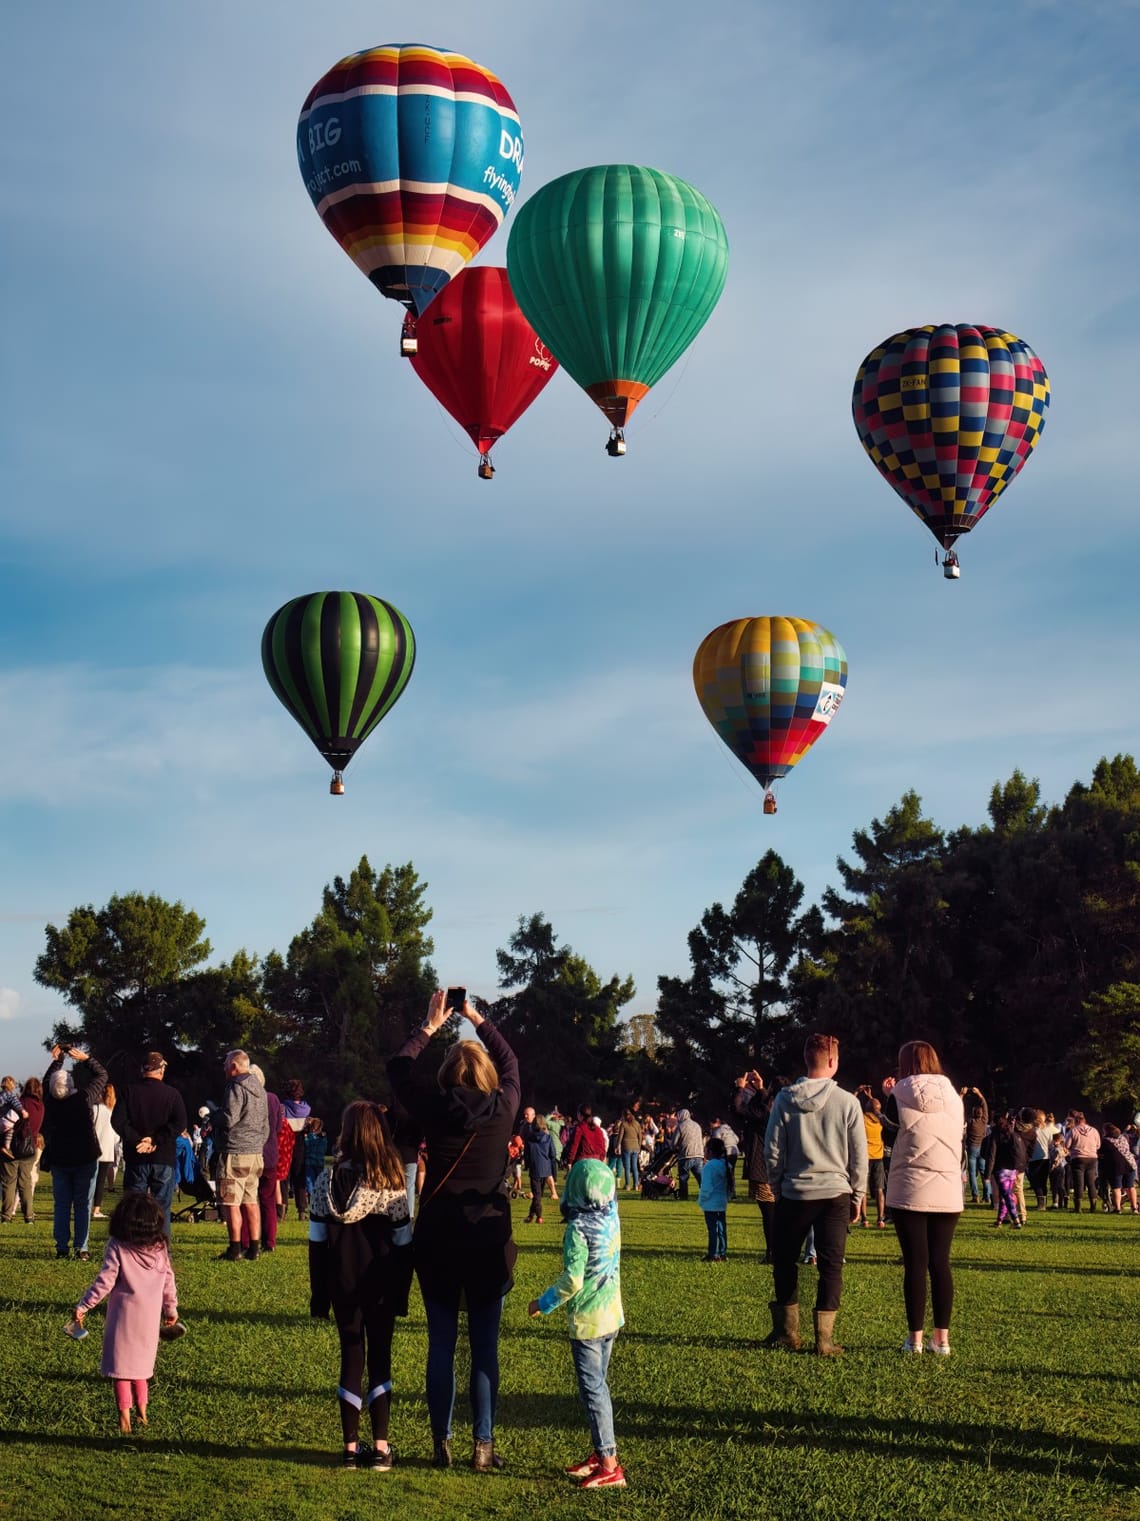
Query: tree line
1014, 947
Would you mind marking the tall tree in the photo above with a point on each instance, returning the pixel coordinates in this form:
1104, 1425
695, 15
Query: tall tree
560, 1016
354, 982
731, 1013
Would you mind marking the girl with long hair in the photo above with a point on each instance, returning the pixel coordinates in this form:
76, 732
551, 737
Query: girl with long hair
360, 1266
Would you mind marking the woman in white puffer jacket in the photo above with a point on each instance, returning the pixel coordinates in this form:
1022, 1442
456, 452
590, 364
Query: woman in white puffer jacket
924, 1188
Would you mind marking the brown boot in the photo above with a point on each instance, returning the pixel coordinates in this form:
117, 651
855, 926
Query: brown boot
824, 1329
485, 1459
785, 1326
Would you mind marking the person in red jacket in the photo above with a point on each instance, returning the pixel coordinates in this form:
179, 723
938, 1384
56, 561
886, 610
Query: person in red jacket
587, 1139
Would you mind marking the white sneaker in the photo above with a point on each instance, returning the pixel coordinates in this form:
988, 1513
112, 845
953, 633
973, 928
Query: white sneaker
909, 1346
941, 1348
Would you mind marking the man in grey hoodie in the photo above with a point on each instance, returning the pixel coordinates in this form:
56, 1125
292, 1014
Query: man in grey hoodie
816, 1150
689, 1149
245, 1115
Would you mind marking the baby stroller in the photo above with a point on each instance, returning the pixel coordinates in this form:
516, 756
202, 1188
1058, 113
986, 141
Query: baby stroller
203, 1202
659, 1184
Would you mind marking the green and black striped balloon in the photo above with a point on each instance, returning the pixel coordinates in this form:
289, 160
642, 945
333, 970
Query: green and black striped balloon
338, 661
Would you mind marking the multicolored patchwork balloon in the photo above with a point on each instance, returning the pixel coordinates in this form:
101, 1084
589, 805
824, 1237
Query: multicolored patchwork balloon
949, 415
338, 661
412, 156
480, 357
770, 687
617, 268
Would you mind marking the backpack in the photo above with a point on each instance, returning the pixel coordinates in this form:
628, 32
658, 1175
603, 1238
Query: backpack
22, 1143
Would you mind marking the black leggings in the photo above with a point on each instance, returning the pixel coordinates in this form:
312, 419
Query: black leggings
924, 1240
365, 1334
1083, 1173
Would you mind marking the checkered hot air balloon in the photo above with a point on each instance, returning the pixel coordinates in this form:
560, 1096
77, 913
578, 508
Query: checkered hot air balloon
412, 156
338, 661
770, 687
949, 415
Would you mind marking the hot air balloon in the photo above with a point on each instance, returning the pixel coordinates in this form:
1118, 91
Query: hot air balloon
480, 358
338, 661
949, 415
617, 269
412, 156
770, 687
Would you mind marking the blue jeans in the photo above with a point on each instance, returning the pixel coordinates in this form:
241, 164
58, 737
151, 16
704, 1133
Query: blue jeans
630, 1172
155, 1178
687, 1167
483, 1336
591, 1364
718, 1232
972, 1155
72, 1188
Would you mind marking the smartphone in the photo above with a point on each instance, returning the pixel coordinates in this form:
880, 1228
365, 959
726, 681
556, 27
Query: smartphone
456, 998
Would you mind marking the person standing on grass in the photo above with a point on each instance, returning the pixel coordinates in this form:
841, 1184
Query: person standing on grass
586, 1139
19, 1152
139, 1279
1005, 1160
463, 1247
713, 1199
924, 1193
977, 1120
689, 1149
150, 1116
751, 1107
360, 1266
590, 1288
72, 1145
1059, 1171
629, 1149
1084, 1146
816, 1150
267, 1188
876, 1167
540, 1165
245, 1116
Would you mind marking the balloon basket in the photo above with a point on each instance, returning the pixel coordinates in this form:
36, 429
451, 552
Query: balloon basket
950, 567
486, 471
409, 343
615, 448
336, 786
769, 802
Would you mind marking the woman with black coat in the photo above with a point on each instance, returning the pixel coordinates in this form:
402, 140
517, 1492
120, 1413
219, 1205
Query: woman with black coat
72, 1146
464, 1251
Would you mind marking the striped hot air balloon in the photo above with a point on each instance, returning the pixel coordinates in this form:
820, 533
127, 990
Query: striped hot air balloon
770, 687
949, 415
338, 661
412, 156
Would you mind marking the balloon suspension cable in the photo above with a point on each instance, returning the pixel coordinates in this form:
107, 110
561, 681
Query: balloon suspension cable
615, 448
336, 786
673, 389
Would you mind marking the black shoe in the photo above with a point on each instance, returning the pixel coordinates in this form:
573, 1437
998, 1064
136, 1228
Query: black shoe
382, 1461
64, 1253
253, 1251
232, 1253
350, 1458
441, 1453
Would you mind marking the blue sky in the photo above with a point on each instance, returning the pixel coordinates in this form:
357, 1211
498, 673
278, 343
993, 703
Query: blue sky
204, 415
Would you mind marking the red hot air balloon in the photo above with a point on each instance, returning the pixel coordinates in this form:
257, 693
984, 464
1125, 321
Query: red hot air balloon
480, 358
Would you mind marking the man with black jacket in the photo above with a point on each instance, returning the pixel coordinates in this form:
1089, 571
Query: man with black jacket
150, 1117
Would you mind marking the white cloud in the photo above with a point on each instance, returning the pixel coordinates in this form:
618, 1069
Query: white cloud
10, 1002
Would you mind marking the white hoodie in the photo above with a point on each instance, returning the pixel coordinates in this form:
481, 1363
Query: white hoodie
926, 1155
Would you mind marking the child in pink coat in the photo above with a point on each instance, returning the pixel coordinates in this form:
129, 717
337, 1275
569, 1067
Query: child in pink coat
139, 1279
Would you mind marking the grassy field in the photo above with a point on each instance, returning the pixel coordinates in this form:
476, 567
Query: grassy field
1037, 1414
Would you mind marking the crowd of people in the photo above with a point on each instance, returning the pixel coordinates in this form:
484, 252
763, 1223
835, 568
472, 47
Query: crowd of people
420, 1189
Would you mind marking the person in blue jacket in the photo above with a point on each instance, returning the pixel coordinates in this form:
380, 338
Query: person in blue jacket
713, 1199
540, 1165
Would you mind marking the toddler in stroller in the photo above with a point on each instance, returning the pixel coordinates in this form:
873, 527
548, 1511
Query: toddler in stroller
192, 1181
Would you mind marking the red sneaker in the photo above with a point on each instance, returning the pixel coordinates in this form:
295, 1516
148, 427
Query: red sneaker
585, 1468
604, 1478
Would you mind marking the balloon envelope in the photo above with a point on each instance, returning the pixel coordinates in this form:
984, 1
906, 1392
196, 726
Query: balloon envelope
412, 156
617, 268
479, 356
338, 661
949, 415
770, 687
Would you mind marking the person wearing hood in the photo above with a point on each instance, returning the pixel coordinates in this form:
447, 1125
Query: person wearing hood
689, 1149
816, 1150
360, 1238
464, 1250
924, 1189
590, 1288
72, 1145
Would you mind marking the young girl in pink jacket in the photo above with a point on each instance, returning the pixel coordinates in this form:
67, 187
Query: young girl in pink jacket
138, 1282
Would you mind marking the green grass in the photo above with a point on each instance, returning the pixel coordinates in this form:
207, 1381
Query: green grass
1037, 1414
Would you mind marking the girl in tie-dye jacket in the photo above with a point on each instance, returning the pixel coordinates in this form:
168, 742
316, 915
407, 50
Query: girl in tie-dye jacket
590, 1288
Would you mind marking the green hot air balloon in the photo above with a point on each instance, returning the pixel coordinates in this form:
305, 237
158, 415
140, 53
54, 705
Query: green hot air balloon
617, 269
338, 661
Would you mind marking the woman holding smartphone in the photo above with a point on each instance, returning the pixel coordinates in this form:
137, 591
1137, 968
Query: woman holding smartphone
464, 1251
